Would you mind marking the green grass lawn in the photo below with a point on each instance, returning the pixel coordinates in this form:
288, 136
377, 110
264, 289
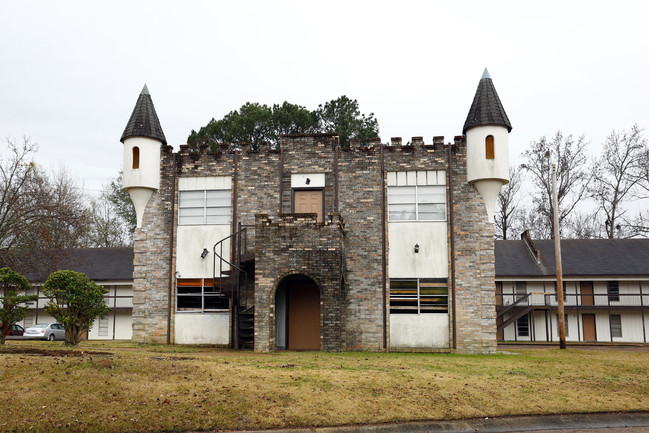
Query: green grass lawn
128, 387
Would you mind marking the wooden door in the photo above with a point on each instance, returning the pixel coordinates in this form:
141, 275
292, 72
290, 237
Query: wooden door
586, 288
308, 201
303, 316
588, 322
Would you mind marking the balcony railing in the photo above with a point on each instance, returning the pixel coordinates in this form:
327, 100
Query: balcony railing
543, 299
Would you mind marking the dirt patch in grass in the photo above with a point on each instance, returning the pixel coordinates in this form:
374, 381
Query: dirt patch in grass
176, 388
50, 352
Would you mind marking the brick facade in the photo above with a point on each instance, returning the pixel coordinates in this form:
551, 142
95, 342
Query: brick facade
343, 255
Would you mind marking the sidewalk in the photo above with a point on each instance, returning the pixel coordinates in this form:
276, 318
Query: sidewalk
601, 422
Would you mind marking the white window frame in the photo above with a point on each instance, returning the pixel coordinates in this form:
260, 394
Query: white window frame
407, 190
519, 326
224, 218
616, 328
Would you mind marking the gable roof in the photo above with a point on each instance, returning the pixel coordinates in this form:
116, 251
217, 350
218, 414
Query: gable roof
144, 120
486, 108
580, 257
99, 264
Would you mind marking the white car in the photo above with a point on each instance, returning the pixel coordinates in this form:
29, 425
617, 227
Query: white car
45, 331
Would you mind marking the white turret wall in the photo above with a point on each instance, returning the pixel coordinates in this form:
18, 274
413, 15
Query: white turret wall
148, 173
143, 177
478, 167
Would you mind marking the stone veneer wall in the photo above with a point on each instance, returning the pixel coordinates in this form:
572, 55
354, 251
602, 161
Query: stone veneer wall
474, 263
261, 175
297, 244
151, 270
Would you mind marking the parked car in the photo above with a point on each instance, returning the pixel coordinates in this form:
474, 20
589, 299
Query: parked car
15, 331
46, 331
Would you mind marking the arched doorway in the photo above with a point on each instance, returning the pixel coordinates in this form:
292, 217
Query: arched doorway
297, 308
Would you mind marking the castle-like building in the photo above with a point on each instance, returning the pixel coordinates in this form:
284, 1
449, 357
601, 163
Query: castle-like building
310, 245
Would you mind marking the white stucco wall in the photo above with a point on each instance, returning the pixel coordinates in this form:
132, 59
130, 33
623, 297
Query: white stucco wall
205, 328
432, 259
419, 331
477, 165
316, 180
191, 240
122, 321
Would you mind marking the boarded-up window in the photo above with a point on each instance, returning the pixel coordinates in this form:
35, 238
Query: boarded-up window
136, 157
489, 147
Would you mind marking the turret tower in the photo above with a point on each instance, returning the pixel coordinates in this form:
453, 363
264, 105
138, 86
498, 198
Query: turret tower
142, 139
487, 130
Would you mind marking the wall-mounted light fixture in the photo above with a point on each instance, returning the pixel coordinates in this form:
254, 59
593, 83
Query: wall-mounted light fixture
308, 181
416, 248
204, 253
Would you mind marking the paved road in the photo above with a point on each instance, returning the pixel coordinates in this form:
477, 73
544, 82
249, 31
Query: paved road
574, 423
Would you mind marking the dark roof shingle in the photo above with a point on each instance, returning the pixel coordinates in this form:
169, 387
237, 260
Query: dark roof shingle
580, 257
144, 120
486, 108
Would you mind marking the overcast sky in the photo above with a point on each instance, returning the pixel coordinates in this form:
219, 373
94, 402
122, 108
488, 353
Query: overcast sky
71, 71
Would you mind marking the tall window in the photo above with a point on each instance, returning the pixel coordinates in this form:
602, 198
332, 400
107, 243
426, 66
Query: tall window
616, 326
418, 295
523, 326
204, 207
136, 157
417, 195
613, 290
565, 323
103, 326
489, 147
520, 288
417, 203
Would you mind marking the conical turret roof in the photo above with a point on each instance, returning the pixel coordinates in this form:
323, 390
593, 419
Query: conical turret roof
144, 120
486, 108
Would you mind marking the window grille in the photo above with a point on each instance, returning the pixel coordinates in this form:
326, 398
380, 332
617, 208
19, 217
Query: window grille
523, 326
613, 290
616, 326
204, 207
417, 296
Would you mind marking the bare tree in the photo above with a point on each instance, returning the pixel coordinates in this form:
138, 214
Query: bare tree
584, 225
61, 218
108, 228
572, 175
17, 179
507, 205
616, 175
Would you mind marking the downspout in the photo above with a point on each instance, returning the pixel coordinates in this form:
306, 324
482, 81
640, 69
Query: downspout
172, 219
383, 252
452, 240
336, 150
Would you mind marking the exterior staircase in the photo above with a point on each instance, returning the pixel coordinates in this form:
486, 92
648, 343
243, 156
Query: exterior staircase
227, 282
517, 310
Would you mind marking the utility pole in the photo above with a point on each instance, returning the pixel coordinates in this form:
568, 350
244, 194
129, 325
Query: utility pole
557, 254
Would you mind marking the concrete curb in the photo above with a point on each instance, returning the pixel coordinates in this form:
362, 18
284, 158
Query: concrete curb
495, 425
